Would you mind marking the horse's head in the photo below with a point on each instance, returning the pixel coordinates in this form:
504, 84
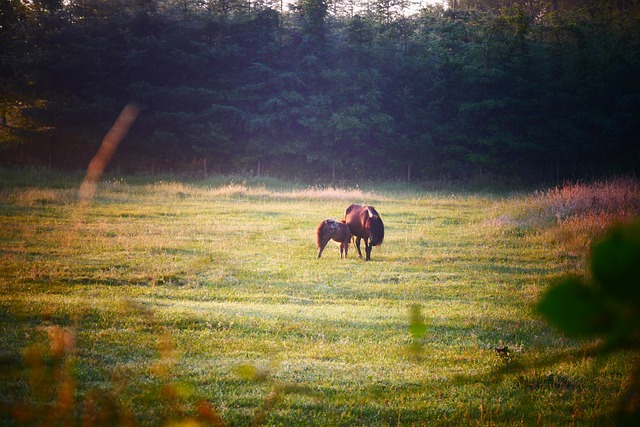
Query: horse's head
376, 230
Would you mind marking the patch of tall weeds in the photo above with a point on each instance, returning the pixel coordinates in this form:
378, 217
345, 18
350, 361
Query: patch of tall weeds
572, 216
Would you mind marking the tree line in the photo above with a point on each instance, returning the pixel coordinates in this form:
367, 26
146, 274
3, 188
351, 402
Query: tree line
535, 89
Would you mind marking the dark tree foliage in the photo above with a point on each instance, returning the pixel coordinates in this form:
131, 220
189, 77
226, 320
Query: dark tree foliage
525, 89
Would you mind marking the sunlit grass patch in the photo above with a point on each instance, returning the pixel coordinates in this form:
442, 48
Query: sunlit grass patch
330, 193
242, 189
177, 286
38, 197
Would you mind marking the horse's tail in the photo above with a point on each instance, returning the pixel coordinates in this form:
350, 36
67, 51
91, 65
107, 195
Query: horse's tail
319, 233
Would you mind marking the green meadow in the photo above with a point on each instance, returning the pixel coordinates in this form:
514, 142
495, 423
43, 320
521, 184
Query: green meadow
201, 302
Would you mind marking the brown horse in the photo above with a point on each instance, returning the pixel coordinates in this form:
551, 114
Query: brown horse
365, 223
331, 229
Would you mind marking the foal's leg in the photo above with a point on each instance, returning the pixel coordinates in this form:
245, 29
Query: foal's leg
344, 247
347, 242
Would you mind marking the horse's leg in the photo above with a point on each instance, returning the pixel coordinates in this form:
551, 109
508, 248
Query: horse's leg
367, 248
358, 247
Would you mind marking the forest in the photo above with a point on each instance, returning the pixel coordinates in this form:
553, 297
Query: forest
543, 90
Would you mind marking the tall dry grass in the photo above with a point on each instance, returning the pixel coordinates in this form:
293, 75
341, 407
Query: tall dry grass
617, 199
572, 216
243, 189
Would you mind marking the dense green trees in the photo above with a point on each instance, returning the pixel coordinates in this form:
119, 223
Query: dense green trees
512, 88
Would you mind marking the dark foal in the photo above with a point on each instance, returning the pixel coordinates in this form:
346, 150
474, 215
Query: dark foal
330, 229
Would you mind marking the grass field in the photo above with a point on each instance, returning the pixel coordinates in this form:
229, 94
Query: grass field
175, 303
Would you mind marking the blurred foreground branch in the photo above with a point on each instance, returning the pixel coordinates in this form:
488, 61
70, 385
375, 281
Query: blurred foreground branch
106, 151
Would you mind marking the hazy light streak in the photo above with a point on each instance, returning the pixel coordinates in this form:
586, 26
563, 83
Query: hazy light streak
108, 147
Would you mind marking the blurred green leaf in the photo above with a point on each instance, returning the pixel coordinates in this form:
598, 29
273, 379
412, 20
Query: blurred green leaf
609, 307
574, 308
615, 264
252, 373
417, 326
